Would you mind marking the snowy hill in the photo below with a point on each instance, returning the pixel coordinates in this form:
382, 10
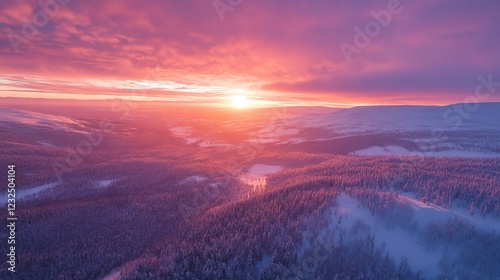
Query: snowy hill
484, 116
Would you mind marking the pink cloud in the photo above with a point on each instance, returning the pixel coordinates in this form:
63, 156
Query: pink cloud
284, 49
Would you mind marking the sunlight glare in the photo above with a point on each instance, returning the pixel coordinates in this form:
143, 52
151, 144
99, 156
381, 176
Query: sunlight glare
240, 101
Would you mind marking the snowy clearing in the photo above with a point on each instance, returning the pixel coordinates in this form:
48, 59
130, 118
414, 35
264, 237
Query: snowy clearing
259, 170
400, 151
195, 178
104, 183
256, 176
397, 242
383, 151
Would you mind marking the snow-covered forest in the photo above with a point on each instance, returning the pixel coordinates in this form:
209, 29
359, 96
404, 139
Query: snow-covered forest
191, 197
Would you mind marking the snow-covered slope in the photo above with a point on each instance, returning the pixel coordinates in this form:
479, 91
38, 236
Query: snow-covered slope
400, 151
407, 243
398, 242
414, 118
482, 116
458, 130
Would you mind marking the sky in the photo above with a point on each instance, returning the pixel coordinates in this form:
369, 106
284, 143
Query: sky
273, 52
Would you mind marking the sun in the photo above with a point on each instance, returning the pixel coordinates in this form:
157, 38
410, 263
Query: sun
240, 101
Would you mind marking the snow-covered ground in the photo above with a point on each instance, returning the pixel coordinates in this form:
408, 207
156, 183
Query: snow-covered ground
206, 144
114, 275
263, 140
259, 170
46, 144
191, 140
257, 175
412, 118
30, 193
462, 153
383, 151
397, 118
276, 132
402, 242
41, 120
185, 133
104, 183
397, 242
427, 213
181, 131
400, 151
195, 178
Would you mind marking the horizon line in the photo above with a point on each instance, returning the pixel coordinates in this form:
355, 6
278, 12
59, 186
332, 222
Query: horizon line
219, 104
